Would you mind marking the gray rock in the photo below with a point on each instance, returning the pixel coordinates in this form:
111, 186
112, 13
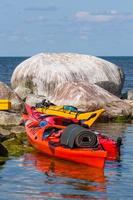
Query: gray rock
18, 129
130, 102
4, 131
3, 151
23, 92
42, 73
5, 134
9, 118
130, 95
32, 99
7, 93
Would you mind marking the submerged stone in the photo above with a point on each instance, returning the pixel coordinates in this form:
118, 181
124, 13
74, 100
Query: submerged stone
16, 147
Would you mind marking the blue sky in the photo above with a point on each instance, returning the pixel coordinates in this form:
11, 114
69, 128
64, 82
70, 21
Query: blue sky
93, 27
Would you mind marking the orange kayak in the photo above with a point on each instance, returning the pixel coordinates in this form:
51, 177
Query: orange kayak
91, 157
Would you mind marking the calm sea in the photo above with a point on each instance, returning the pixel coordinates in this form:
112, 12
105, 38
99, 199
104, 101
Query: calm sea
38, 177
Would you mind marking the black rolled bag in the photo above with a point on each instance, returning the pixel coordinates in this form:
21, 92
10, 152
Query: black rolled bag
77, 136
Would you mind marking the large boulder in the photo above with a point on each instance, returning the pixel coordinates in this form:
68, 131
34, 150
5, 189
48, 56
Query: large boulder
7, 93
86, 98
42, 73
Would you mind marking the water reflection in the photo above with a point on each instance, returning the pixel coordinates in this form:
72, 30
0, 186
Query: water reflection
55, 167
79, 179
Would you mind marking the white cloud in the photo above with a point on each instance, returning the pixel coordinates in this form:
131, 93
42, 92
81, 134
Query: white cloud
112, 15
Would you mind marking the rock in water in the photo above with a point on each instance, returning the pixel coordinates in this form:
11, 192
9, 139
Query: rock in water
130, 95
3, 151
41, 74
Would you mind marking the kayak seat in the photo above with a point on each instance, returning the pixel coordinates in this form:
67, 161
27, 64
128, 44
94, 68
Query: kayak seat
51, 132
70, 108
77, 136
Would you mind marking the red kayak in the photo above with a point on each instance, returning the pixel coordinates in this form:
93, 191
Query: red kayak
68, 139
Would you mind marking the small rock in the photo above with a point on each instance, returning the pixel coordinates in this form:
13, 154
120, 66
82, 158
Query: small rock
5, 134
130, 95
9, 118
3, 151
18, 129
4, 131
7, 93
16, 148
33, 99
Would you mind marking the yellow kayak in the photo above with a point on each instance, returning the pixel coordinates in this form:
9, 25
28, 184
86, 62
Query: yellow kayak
64, 111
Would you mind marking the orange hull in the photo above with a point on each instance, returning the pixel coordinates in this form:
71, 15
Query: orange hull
95, 158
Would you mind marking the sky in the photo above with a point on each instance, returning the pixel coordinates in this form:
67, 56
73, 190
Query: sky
92, 27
